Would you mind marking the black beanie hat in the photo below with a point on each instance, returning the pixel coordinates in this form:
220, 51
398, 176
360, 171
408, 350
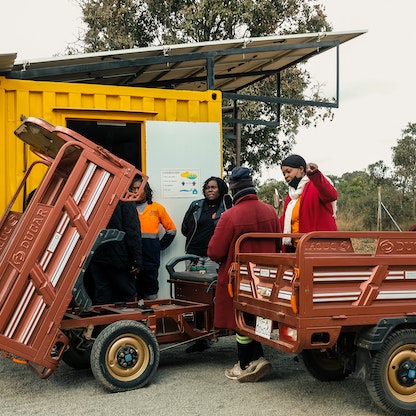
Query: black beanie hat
294, 161
241, 178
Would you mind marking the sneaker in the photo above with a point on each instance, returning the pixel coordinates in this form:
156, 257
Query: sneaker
234, 372
255, 371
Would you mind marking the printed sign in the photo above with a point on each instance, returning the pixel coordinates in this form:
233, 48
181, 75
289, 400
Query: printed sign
180, 183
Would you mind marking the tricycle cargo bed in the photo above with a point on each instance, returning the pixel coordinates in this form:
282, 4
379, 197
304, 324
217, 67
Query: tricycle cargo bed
46, 245
44, 249
171, 320
326, 286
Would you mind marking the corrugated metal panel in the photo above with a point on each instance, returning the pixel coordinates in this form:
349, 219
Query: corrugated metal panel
7, 61
57, 102
235, 63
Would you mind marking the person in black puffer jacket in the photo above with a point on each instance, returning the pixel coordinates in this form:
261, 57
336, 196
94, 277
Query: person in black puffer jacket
115, 264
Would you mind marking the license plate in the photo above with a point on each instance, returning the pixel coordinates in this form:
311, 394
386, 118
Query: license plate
263, 327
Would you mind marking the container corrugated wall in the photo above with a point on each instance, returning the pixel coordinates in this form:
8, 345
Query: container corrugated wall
56, 102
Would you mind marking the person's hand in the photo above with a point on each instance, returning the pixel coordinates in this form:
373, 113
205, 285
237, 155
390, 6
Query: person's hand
311, 168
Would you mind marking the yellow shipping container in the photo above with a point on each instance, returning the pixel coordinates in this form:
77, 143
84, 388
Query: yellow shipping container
96, 111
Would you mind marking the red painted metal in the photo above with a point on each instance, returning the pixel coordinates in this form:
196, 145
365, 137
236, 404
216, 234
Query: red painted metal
328, 290
326, 286
44, 252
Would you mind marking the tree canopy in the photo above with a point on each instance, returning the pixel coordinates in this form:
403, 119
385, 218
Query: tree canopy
381, 197
404, 160
124, 24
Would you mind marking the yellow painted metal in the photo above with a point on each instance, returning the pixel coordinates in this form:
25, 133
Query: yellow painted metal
56, 102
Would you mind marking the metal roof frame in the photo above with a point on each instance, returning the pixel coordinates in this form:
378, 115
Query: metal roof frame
228, 66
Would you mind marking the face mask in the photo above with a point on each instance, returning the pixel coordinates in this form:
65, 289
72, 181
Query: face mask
295, 182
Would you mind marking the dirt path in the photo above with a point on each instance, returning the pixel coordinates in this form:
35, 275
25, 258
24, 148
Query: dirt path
185, 384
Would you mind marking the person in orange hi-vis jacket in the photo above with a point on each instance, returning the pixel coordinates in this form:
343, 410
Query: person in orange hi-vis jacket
152, 214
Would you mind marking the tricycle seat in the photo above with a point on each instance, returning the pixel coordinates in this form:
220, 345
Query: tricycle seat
196, 285
188, 275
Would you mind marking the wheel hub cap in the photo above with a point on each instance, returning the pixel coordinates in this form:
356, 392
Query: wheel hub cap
127, 356
406, 373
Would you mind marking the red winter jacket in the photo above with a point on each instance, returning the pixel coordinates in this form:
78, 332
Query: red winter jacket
315, 212
247, 215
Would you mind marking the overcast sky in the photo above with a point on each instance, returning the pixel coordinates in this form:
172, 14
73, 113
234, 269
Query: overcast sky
376, 73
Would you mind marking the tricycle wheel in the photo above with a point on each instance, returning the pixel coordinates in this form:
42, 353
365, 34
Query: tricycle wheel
391, 381
325, 364
125, 356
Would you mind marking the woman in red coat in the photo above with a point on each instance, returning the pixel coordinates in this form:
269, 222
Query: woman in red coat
247, 215
311, 202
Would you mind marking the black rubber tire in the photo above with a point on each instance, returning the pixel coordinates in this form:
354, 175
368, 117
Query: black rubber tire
125, 356
324, 364
391, 380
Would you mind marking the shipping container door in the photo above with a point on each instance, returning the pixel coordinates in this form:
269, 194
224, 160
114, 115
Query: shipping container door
180, 156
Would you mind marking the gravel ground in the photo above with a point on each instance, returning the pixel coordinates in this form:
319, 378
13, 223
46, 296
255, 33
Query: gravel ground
185, 384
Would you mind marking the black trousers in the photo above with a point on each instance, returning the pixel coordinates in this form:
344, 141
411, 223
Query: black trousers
111, 284
147, 283
249, 352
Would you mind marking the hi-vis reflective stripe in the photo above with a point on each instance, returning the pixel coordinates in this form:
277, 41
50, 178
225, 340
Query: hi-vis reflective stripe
259, 271
350, 276
151, 236
265, 272
322, 294
353, 296
21, 307
361, 275
336, 297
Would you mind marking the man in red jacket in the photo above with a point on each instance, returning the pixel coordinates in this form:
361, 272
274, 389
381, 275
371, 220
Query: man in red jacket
311, 202
247, 215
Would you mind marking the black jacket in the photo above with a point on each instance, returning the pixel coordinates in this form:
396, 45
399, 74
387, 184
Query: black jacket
125, 254
190, 221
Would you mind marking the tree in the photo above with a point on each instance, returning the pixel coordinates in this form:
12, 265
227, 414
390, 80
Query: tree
121, 24
404, 161
359, 204
183, 21
378, 172
116, 24
266, 192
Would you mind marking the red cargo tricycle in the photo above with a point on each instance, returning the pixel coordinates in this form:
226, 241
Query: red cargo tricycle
45, 312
